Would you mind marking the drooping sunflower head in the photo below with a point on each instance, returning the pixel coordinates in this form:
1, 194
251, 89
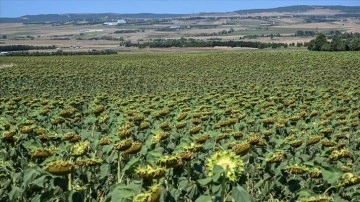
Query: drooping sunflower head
160, 136
275, 157
149, 172
59, 167
88, 162
229, 161
42, 152
296, 169
142, 197
80, 148
168, 161
194, 147
315, 173
316, 199
152, 195
349, 179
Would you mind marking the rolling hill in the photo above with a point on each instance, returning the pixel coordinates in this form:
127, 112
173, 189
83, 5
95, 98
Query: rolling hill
299, 9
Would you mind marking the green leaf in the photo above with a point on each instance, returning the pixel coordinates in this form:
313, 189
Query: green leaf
305, 193
218, 171
309, 163
131, 164
15, 193
152, 156
216, 189
40, 182
258, 184
36, 198
331, 174
203, 198
104, 170
112, 157
30, 145
240, 194
30, 175
121, 193
183, 182
107, 149
192, 190
205, 181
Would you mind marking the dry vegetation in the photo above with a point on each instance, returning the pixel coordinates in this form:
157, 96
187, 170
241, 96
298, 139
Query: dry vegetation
45, 34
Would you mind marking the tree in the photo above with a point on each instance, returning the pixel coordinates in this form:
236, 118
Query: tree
128, 43
337, 44
300, 33
353, 44
320, 43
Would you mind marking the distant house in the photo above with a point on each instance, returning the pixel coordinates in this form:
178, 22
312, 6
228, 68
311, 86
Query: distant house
119, 22
175, 27
4, 53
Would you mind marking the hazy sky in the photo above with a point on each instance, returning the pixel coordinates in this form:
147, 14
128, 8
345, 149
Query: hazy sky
17, 8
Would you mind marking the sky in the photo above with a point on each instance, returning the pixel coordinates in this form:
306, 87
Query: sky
17, 8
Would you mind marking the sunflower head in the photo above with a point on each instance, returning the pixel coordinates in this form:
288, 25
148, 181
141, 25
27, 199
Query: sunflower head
80, 148
149, 172
152, 195
123, 145
241, 148
88, 162
168, 161
193, 147
42, 152
160, 136
59, 167
315, 173
349, 179
296, 169
142, 197
316, 199
229, 161
275, 157
134, 148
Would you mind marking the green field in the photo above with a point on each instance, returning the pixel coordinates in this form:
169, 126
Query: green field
219, 126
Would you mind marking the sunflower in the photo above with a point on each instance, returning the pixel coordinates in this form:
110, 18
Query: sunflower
80, 148
316, 199
229, 161
59, 167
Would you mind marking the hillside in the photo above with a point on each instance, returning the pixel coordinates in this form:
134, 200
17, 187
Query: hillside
303, 8
299, 9
83, 16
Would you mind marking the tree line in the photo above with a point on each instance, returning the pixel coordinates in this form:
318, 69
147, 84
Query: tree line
38, 53
183, 42
339, 42
24, 47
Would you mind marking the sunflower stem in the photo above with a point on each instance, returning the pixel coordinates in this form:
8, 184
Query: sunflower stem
223, 184
188, 170
119, 168
92, 131
69, 182
69, 179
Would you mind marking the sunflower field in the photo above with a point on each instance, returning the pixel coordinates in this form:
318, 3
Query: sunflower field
148, 127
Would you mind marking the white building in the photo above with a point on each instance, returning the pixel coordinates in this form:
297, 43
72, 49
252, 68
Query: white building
119, 22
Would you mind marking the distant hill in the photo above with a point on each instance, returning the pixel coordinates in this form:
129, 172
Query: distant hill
336, 10
303, 8
82, 16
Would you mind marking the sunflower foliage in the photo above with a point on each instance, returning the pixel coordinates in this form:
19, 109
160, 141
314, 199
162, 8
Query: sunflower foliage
234, 126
